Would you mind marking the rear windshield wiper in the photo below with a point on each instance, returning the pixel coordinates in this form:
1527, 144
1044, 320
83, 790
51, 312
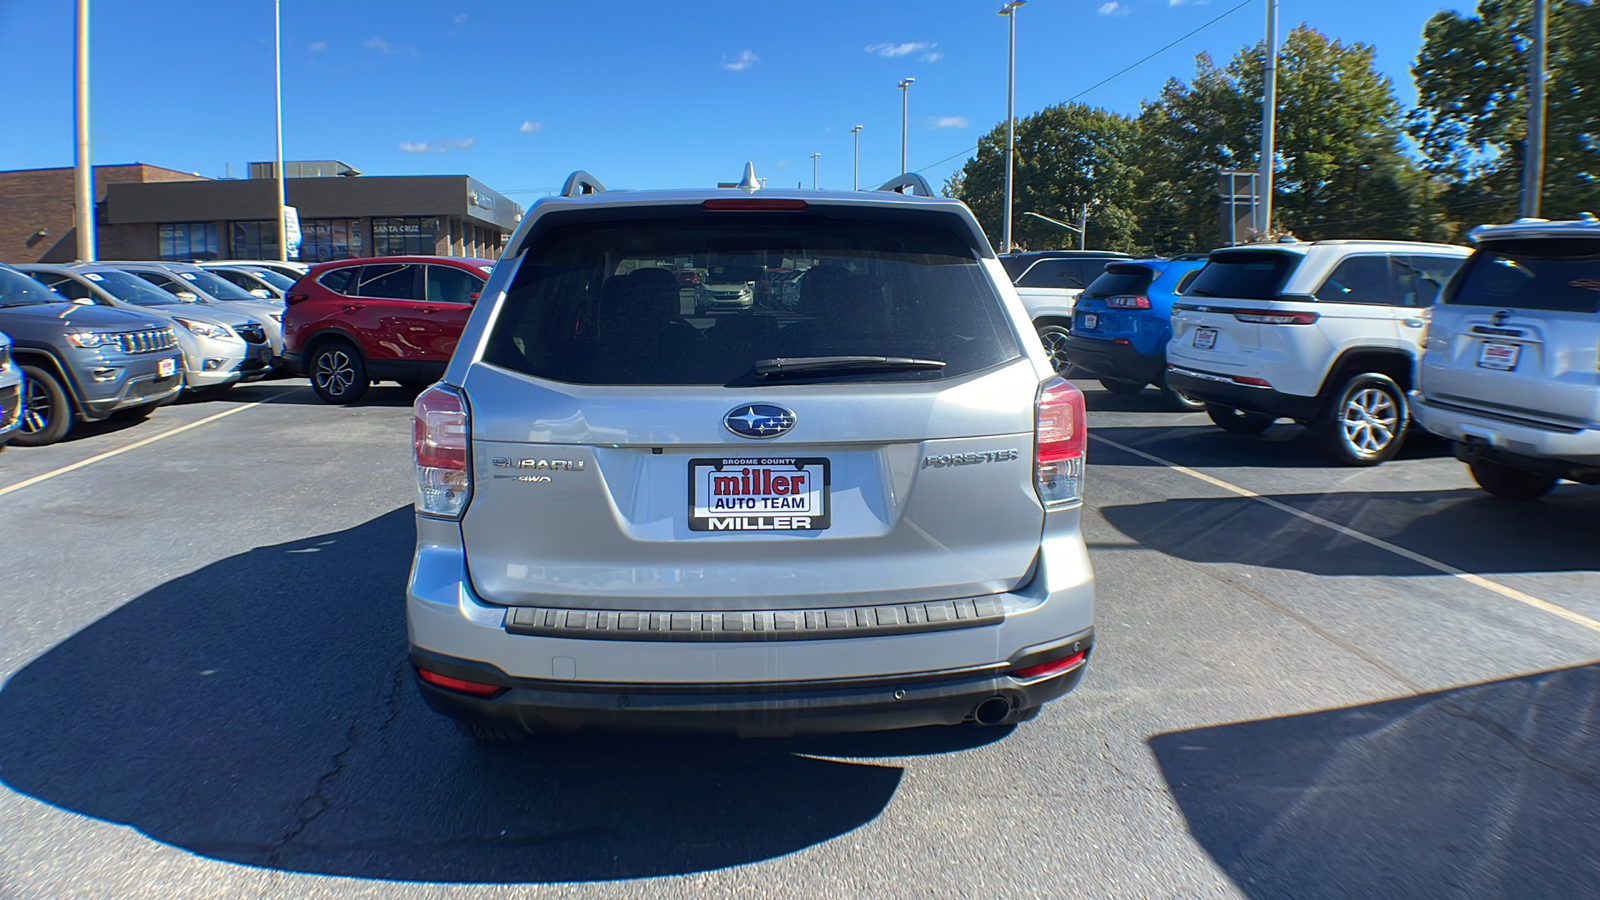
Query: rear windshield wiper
784, 366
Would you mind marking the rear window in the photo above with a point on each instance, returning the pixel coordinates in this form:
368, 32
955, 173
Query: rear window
599, 303
1121, 280
1562, 275
338, 280
1244, 275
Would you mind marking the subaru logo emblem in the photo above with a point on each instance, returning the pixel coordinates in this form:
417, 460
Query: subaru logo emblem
1501, 317
759, 421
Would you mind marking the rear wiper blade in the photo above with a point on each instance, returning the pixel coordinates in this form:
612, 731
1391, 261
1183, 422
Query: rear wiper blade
783, 366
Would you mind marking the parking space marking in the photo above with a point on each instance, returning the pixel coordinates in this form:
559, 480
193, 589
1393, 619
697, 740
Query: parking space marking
1444, 568
30, 482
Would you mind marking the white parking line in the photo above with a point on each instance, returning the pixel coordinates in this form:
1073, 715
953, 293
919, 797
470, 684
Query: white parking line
1444, 568
30, 482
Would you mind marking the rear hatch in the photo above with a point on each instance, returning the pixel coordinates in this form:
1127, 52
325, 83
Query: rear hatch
871, 445
1112, 305
1207, 330
1519, 332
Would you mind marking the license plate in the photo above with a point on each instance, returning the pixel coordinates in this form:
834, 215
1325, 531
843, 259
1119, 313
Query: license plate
759, 493
1494, 355
167, 367
1091, 321
1205, 338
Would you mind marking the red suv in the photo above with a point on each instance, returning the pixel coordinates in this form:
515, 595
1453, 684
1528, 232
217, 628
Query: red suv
391, 318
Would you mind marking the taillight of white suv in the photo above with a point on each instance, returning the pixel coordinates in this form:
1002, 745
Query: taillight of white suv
439, 442
1060, 440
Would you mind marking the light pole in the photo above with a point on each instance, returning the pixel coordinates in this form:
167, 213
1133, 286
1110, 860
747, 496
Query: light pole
904, 92
1269, 120
1533, 153
1010, 12
83, 212
277, 90
814, 158
855, 169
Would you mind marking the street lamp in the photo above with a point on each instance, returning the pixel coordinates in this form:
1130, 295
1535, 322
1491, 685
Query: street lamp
903, 85
814, 157
1010, 12
277, 91
855, 170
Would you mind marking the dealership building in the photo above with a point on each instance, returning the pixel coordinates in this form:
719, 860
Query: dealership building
148, 212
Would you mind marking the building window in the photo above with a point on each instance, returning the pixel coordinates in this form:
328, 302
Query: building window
325, 239
190, 240
255, 240
403, 237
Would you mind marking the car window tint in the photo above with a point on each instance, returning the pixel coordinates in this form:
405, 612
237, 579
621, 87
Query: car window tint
1054, 273
592, 304
1120, 280
1244, 274
166, 283
1430, 275
394, 281
338, 280
64, 285
1184, 282
448, 284
1557, 274
1362, 279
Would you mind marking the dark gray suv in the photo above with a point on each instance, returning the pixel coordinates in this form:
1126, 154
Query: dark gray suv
82, 363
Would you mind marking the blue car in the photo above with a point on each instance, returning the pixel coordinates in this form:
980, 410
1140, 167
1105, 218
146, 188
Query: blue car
1123, 320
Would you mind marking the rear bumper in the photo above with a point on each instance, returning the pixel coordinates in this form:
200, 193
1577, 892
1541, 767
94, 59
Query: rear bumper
1107, 359
1223, 391
1502, 438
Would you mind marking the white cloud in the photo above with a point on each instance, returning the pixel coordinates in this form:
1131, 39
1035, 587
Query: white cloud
530, 127
459, 18
419, 147
1113, 9
458, 143
905, 49
781, 164
933, 57
378, 44
743, 61
950, 122
318, 46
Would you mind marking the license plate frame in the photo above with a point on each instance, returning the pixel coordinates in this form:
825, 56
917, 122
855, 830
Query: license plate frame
167, 368
1205, 338
760, 493
1499, 356
1091, 321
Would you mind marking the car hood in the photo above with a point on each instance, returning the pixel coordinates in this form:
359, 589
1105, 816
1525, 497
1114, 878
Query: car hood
200, 313
73, 316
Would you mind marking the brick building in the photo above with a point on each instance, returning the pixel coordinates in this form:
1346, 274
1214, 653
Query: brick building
36, 208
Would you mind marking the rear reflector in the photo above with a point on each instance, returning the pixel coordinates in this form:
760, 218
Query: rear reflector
1055, 667
1253, 382
1060, 439
439, 444
753, 204
456, 684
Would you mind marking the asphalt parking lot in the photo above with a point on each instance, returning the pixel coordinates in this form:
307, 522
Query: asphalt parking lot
1308, 682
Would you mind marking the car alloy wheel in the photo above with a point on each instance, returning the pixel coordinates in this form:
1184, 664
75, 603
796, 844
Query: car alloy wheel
1371, 421
334, 373
1365, 421
36, 407
46, 414
1054, 338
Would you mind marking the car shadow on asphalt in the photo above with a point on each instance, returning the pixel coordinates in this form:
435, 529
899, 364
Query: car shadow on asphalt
260, 710
1198, 443
380, 394
1465, 528
1490, 790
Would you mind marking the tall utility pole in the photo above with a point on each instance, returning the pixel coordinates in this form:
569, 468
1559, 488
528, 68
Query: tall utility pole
855, 168
277, 168
904, 87
83, 205
1010, 12
1269, 122
814, 158
1538, 70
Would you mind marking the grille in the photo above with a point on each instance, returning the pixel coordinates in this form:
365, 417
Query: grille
253, 334
152, 341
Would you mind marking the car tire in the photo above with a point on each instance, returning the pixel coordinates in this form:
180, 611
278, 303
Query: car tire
1054, 338
338, 373
46, 409
1178, 402
1122, 388
1509, 483
1365, 423
1237, 421
485, 733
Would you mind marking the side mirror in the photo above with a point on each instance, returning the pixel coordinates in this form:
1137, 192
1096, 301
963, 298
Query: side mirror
263, 293
187, 296
83, 301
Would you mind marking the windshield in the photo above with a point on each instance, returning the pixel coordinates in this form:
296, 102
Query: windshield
133, 289
1561, 275
218, 287
599, 304
1244, 275
17, 289
1120, 280
277, 279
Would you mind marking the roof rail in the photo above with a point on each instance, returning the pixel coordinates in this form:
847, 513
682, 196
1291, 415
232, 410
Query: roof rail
917, 184
580, 183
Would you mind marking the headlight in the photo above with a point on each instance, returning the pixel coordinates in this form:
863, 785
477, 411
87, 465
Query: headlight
205, 329
89, 340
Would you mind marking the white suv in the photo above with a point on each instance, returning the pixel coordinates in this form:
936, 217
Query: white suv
1325, 333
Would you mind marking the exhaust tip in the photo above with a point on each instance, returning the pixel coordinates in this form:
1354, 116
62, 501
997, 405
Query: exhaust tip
992, 711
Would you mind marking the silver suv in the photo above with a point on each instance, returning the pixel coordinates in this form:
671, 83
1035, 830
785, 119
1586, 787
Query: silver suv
1512, 369
858, 514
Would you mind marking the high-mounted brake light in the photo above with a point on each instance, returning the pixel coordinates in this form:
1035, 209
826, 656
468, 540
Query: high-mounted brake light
1060, 440
1128, 302
1277, 318
439, 442
753, 204
456, 684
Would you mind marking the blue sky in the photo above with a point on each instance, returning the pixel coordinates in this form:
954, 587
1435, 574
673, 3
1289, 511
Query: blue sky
642, 94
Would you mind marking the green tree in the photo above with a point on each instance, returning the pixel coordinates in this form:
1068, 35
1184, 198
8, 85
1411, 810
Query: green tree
1342, 170
1472, 108
1067, 155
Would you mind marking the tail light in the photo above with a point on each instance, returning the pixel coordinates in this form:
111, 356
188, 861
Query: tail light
1128, 302
1060, 440
439, 441
1277, 318
292, 298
